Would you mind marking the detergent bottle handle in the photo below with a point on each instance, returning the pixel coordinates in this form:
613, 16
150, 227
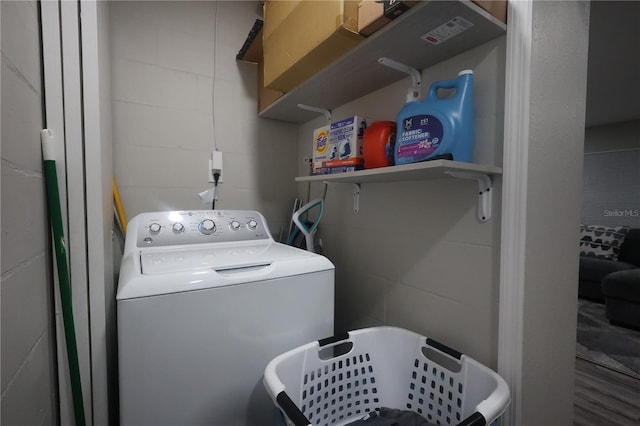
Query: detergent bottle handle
442, 84
464, 80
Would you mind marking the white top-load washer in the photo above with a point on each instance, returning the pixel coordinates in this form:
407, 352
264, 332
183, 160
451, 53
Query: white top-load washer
205, 300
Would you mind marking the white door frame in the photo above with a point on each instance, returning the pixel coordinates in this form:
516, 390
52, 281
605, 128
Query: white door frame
99, 198
519, 189
71, 53
63, 97
514, 193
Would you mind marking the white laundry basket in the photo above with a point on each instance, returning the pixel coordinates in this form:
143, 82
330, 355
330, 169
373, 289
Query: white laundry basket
336, 381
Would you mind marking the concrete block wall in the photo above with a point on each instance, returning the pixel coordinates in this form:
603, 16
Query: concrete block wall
28, 381
173, 64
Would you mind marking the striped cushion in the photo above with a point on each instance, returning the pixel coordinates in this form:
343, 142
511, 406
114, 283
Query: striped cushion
602, 242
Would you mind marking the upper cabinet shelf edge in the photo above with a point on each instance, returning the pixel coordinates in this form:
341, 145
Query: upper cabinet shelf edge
358, 72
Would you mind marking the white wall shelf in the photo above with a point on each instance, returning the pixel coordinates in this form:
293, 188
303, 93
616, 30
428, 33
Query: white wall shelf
436, 169
358, 72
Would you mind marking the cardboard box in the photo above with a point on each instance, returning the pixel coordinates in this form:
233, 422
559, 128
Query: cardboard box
321, 145
252, 51
346, 138
337, 166
275, 13
303, 37
339, 147
497, 8
266, 96
373, 15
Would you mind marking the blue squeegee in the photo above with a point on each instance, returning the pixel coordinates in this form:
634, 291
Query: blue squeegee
308, 228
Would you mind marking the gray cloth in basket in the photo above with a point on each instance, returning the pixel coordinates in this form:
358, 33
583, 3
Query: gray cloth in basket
391, 417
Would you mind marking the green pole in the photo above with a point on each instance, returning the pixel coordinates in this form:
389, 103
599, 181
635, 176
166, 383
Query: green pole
55, 214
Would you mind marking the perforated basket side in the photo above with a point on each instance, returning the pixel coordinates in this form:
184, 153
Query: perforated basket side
340, 390
345, 388
435, 392
447, 387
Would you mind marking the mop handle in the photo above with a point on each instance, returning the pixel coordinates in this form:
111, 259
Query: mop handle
308, 238
118, 204
55, 214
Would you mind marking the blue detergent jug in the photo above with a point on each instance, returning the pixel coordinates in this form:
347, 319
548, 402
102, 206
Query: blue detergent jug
437, 127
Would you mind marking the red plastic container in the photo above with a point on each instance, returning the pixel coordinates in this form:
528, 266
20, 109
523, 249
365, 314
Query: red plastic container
379, 144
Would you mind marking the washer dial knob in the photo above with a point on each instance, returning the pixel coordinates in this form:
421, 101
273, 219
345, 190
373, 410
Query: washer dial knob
235, 225
207, 227
154, 228
177, 227
252, 224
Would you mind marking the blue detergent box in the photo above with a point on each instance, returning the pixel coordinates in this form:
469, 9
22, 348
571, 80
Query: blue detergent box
339, 148
346, 138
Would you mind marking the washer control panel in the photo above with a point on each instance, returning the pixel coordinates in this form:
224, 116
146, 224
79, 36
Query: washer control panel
160, 229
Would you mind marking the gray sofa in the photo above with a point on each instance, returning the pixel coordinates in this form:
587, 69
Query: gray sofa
615, 282
622, 298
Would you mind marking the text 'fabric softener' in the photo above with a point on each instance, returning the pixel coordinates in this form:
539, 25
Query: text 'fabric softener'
438, 127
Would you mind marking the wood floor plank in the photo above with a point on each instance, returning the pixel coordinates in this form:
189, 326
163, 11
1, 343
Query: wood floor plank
604, 397
607, 390
601, 406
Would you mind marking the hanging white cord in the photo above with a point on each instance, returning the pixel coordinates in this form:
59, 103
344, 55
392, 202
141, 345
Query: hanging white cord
213, 90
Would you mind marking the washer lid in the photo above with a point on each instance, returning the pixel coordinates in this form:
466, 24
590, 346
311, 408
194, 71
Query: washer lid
155, 272
216, 258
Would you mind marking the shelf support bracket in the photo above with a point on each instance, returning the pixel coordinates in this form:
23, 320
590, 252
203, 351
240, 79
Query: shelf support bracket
323, 111
356, 192
484, 192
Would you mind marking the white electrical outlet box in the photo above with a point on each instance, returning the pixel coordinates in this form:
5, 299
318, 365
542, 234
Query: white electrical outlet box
215, 165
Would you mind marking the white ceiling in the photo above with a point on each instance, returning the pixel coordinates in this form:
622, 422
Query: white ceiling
613, 77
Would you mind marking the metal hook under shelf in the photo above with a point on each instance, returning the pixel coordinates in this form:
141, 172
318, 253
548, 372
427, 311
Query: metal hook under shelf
484, 192
356, 193
324, 111
416, 77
